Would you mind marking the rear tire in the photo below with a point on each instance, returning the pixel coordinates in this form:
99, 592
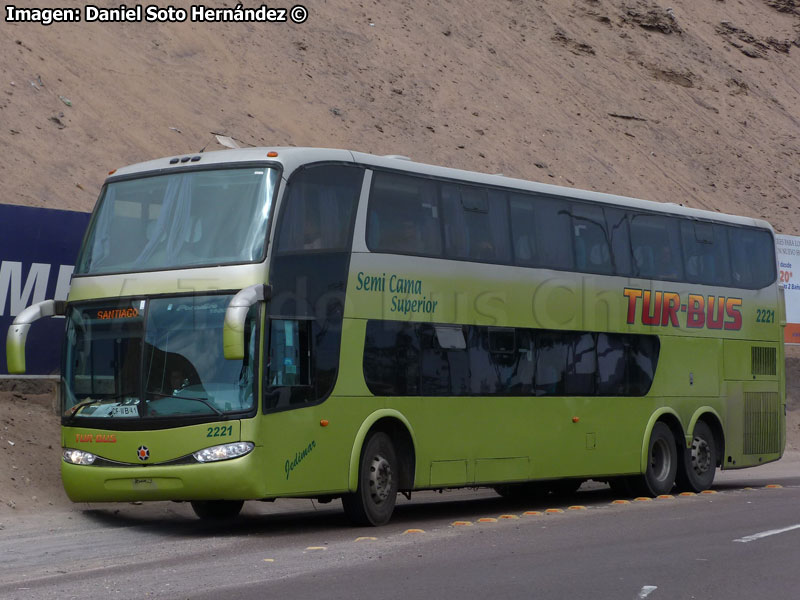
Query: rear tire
217, 510
699, 462
378, 479
662, 463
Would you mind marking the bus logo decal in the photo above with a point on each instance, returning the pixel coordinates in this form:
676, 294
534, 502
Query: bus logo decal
661, 308
143, 453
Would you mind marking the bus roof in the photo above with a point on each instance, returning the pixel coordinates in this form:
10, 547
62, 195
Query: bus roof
293, 157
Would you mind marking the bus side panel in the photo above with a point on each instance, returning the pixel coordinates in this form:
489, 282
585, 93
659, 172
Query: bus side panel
303, 456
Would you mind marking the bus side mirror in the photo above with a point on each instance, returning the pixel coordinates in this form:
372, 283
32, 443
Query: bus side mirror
236, 316
18, 331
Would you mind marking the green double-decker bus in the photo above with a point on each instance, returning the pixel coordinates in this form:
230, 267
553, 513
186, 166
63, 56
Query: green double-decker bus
265, 323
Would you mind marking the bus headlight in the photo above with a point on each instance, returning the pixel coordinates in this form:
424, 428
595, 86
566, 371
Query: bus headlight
78, 457
223, 452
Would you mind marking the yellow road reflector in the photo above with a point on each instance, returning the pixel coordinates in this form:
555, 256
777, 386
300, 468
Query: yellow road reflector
665, 497
462, 523
708, 492
621, 502
553, 511
413, 531
577, 507
643, 499
688, 494
773, 486
366, 539
316, 548
269, 560
487, 520
508, 517
531, 513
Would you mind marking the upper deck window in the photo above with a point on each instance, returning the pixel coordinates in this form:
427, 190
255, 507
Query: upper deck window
318, 209
404, 215
186, 219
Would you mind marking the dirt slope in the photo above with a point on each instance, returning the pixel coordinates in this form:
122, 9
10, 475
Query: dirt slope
680, 101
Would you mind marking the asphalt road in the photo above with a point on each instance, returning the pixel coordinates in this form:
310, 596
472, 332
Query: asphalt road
741, 542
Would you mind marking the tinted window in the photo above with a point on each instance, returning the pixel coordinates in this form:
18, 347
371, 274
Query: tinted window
642, 363
551, 363
539, 228
590, 240
318, 209
705, 253
656, 247
752, 257
475, 223
619, 237
581, 365
392, 358
403, 215
506, 361
611, 365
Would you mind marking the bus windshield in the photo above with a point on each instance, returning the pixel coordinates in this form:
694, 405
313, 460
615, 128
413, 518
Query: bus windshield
153, 359
184, 219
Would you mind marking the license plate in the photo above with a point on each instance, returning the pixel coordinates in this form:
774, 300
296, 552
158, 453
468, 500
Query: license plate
125, 411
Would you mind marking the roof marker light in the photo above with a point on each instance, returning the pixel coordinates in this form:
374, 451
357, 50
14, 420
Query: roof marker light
174, 161
272, 154
112, 171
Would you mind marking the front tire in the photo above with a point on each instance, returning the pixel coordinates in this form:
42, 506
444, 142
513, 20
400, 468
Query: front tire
662, 463
699, 462
378, 479
217, 510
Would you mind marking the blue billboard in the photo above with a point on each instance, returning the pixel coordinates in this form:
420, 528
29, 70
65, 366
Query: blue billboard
38, 248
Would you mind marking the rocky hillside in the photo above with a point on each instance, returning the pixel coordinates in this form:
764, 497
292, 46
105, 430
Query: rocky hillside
680, 101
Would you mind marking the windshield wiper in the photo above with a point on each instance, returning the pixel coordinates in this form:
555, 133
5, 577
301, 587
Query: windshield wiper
197, 399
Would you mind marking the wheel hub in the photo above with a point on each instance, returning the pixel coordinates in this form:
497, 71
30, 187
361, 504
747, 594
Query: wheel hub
380, 479
701, 456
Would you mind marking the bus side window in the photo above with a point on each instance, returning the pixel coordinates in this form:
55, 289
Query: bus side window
656, 247
611, 366
619, 237
590, 240
551, 363
705, 251
581, 365
553, 223
403, 215
523, 230
434, 366
643, 353
391, 358
318, 209
752, 257
539, 227
475, 223
289, 361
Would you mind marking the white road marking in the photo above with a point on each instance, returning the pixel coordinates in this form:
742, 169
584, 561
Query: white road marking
646, 591
763, 534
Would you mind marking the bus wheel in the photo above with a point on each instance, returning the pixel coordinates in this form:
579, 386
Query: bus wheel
699, 464
662, 462
217, 510
373, 501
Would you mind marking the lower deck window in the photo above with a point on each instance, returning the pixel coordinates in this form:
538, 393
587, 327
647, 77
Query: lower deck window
409, 359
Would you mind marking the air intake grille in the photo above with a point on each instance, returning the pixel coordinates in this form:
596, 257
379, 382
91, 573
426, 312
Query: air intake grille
763, 360
762, 422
